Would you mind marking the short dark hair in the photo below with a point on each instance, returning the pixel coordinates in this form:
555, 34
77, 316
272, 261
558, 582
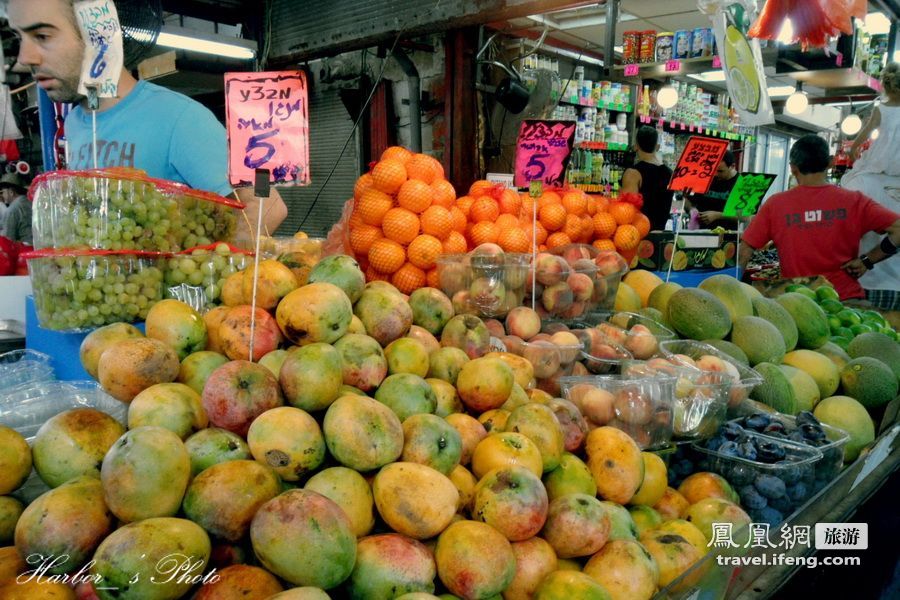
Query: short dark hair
647, 138
728, 158
810, 154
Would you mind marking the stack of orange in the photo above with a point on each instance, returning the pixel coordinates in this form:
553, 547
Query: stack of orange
401, 220
489, 214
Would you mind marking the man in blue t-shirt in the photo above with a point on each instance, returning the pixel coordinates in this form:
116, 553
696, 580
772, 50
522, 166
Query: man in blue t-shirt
147, 127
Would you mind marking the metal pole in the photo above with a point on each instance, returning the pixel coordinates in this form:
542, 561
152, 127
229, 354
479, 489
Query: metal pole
609, 55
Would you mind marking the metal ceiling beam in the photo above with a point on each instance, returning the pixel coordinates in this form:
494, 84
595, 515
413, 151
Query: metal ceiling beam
323, 33
231, 13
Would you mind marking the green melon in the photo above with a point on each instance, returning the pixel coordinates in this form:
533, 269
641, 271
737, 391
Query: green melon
811, 320
846, 413
751, 291
729, 290
698, 314
805, 389
759, 339
778, 316
825, 373
877, 345
775, 390
731, 349
835, 354
870, 381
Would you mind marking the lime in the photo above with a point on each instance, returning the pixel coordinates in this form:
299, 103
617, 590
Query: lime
834, 324
826, 292
842, 342
860, 328
849, 317
831, 306
874, 315
845, 333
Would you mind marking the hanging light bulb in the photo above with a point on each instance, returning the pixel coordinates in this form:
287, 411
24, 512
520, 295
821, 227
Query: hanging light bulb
874, 134
797, 102
667, 97
851, 124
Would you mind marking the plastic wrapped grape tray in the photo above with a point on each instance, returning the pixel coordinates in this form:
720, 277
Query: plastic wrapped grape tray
122, 209
196, 276
77, 290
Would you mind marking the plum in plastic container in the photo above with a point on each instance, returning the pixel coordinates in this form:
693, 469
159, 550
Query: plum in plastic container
773, 477
485, 285
642, 334
572, 281
701, 397
642, 407
77, 290
803, 429
123, 209
196, 276
709, 358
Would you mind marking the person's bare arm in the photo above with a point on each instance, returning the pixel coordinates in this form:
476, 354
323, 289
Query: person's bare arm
855, 268
274, 212
872, 123
744, 255
631, 181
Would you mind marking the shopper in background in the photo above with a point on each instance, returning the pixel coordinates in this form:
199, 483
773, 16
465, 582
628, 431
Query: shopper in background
650, 177
877, 174
18, 214
711, 204
817, 226
148, 127
3, 210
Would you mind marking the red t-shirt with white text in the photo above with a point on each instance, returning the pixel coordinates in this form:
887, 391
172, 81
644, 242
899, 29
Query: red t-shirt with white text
817, 229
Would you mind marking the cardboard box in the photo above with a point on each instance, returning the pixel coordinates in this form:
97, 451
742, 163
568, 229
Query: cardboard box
699, 250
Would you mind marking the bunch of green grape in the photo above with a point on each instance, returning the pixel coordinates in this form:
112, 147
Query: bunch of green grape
197, 278
114, 214
97, 212
81, 292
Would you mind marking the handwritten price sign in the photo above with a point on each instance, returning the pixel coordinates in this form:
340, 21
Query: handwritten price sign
542, 151
747, 193
697, 164
102, 61
268, 126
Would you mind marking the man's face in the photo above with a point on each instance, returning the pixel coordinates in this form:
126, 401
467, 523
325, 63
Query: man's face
51, 45
724, 172
6, 195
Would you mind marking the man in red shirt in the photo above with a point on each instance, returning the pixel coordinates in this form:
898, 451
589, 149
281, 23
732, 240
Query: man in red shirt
817, 226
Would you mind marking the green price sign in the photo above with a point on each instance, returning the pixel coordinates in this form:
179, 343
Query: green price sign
747, 193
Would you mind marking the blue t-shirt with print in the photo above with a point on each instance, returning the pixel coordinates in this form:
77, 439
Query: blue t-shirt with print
162, 132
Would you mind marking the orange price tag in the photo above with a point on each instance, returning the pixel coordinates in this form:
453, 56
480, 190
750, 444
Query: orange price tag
697, 164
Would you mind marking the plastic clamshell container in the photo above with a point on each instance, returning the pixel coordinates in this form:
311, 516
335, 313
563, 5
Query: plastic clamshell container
642, 344
832, 452
80, 290
486, 285
642, 407
798, 467
701, 397
740, 390
196, 276
576, 280
123, 209
23, 367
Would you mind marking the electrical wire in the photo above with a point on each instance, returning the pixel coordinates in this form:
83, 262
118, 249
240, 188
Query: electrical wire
362, 112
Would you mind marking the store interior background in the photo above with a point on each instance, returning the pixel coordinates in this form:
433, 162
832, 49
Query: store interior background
344, 46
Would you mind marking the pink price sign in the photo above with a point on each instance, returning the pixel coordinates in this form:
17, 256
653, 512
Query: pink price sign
673, 66
632, 70
267, 117
542, 151
716, 62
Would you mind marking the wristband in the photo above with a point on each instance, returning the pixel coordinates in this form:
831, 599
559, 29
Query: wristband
888, 247
867, 262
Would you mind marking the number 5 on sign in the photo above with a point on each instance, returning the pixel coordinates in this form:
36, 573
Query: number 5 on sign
268, 127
